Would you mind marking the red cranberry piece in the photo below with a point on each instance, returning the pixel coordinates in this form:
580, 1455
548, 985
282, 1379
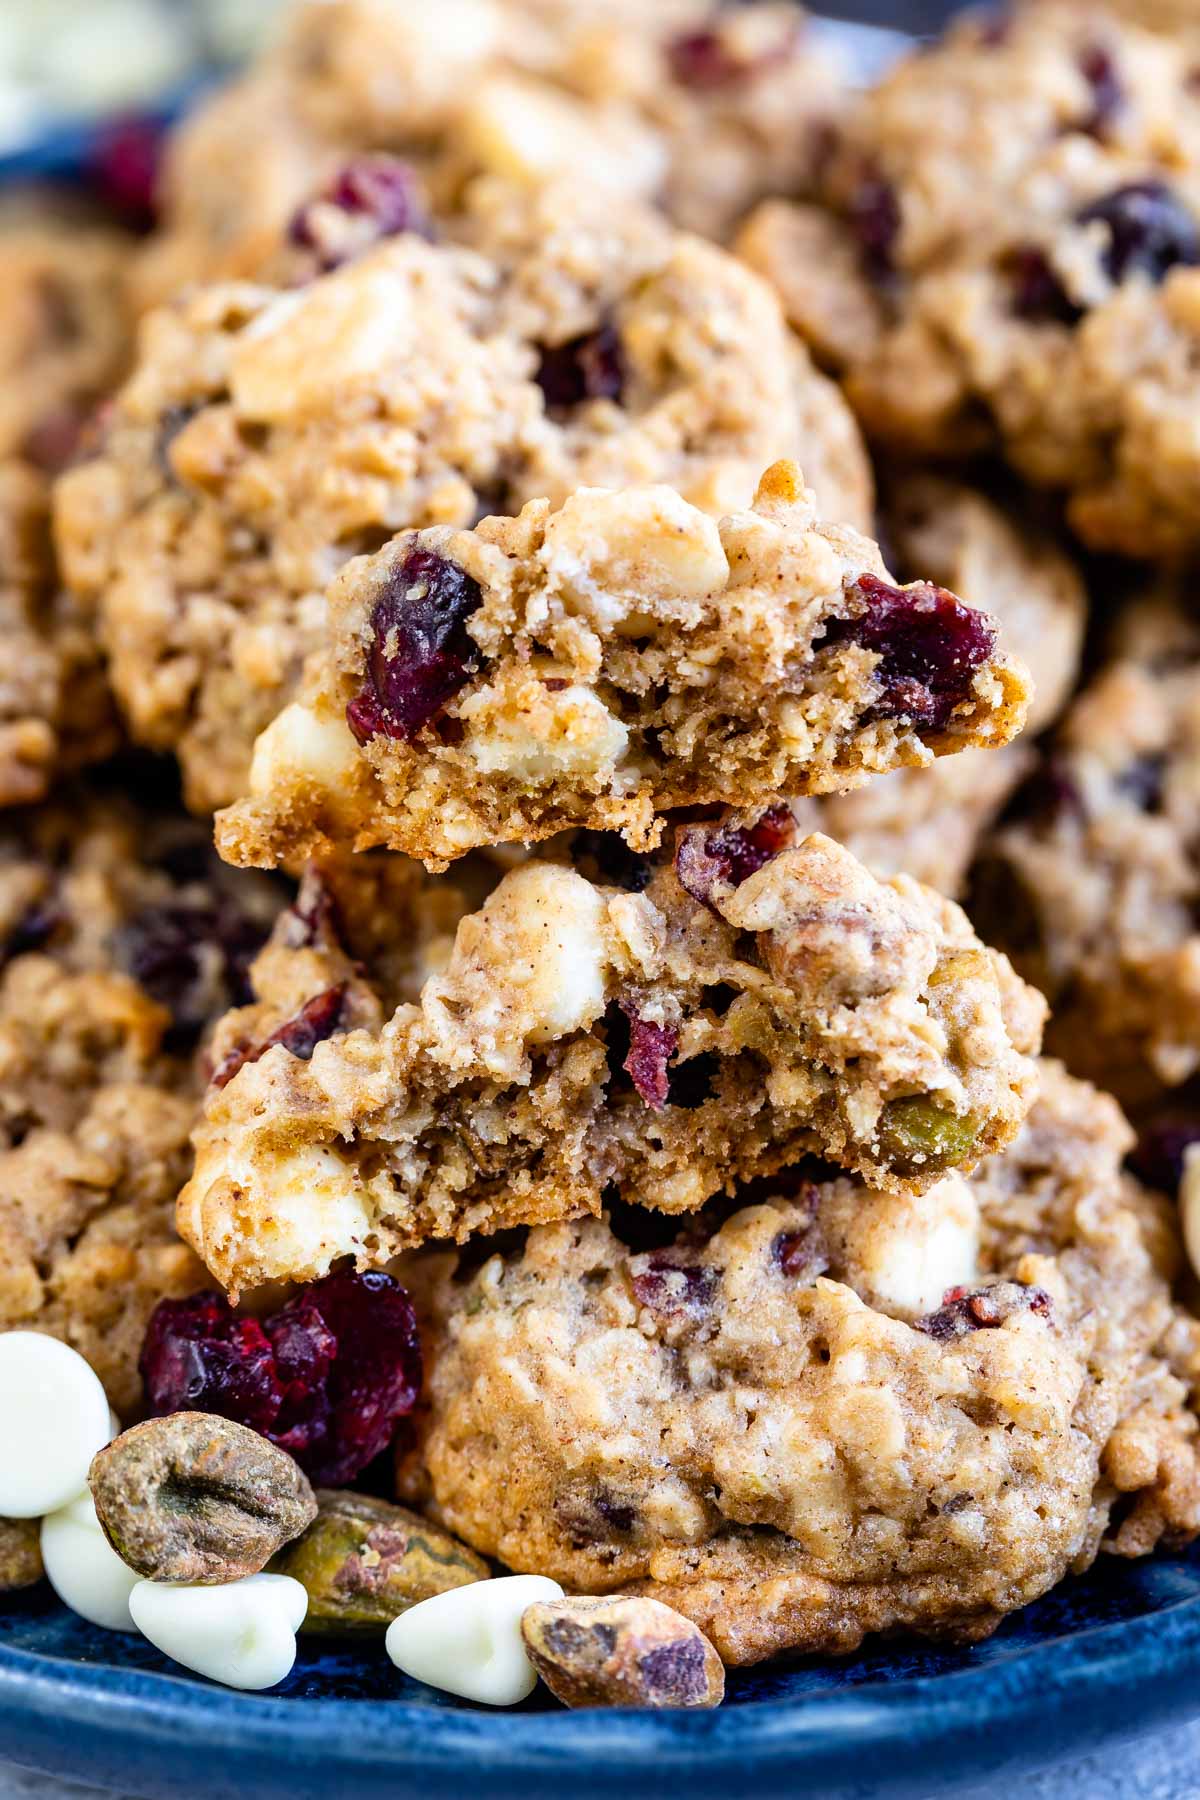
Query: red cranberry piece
193, 958
651, 1048
327, 1378
317, 1020
588, 367
1038, 294
875, 220
1161, 1152
381, 191
798, 1253
1150, 230
420, 654
124, 169
1100, 72
54, 441
672, 1288
708, 860
964, 1310
199, 1356
706, 61
928, 643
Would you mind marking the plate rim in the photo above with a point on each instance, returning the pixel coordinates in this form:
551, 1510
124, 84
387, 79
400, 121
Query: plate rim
1109, 1680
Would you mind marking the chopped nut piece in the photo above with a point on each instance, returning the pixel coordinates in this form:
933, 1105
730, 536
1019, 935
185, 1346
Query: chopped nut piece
363, 1562
622, 1652
20, 1557
193, 1498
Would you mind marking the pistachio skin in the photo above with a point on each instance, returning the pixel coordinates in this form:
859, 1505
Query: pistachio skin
20, 1554
364, 1561
622, 1651
196, 1499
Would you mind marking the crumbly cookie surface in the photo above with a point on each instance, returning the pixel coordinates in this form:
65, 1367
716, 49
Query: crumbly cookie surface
1010, 257
122, 938
708, 1022
928, 822
1092, 885
64, 340
267, 436
785, 1426
701, 110
608, 662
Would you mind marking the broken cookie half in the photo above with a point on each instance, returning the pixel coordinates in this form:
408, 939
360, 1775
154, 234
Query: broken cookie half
666, 1032
604, 663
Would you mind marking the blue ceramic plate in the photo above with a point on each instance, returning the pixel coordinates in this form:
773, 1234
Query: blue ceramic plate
1111, 1655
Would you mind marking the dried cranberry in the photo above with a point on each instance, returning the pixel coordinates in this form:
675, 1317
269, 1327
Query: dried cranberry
928, 643
588, 367
199, 1356
1161, 1153
651, 1048
1038, 294
327, 1378
671, 1288
708, 860
799, 1253
964, 1310
317, 1020
193, 958
706, 61
420, 654
380, 191
875, 220
54, 441
314, 917
1150, 230
1100, 72
124, 169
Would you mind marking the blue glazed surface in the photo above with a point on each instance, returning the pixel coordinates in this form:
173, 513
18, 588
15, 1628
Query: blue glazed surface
1113, 1654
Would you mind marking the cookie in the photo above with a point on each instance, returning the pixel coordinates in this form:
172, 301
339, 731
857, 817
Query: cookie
834, 1412
602, 664
266, 437
667, 1029
700, 109
122, 939
928, 822
1091, 885
1009, 258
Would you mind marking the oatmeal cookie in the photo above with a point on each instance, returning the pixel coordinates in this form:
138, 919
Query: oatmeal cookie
268, 436
1011, 256
703, 110
928, 822
56, 713
704, 1023
605, 663
836, 1411
1092, 884
122, 938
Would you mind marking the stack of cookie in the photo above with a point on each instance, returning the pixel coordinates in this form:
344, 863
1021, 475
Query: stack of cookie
588, 741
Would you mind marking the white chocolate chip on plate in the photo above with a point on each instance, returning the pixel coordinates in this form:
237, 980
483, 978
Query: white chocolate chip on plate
83, 1568
242, 1634
468, 1641
54, 1416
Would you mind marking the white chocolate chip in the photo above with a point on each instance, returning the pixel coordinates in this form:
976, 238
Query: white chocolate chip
575, 735
1189, 1205
628, 558
544, 926
468, 1641
314, 1210
906, 1250
83, 1568
242, 1634
53, 1419
526, 132
300, 746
